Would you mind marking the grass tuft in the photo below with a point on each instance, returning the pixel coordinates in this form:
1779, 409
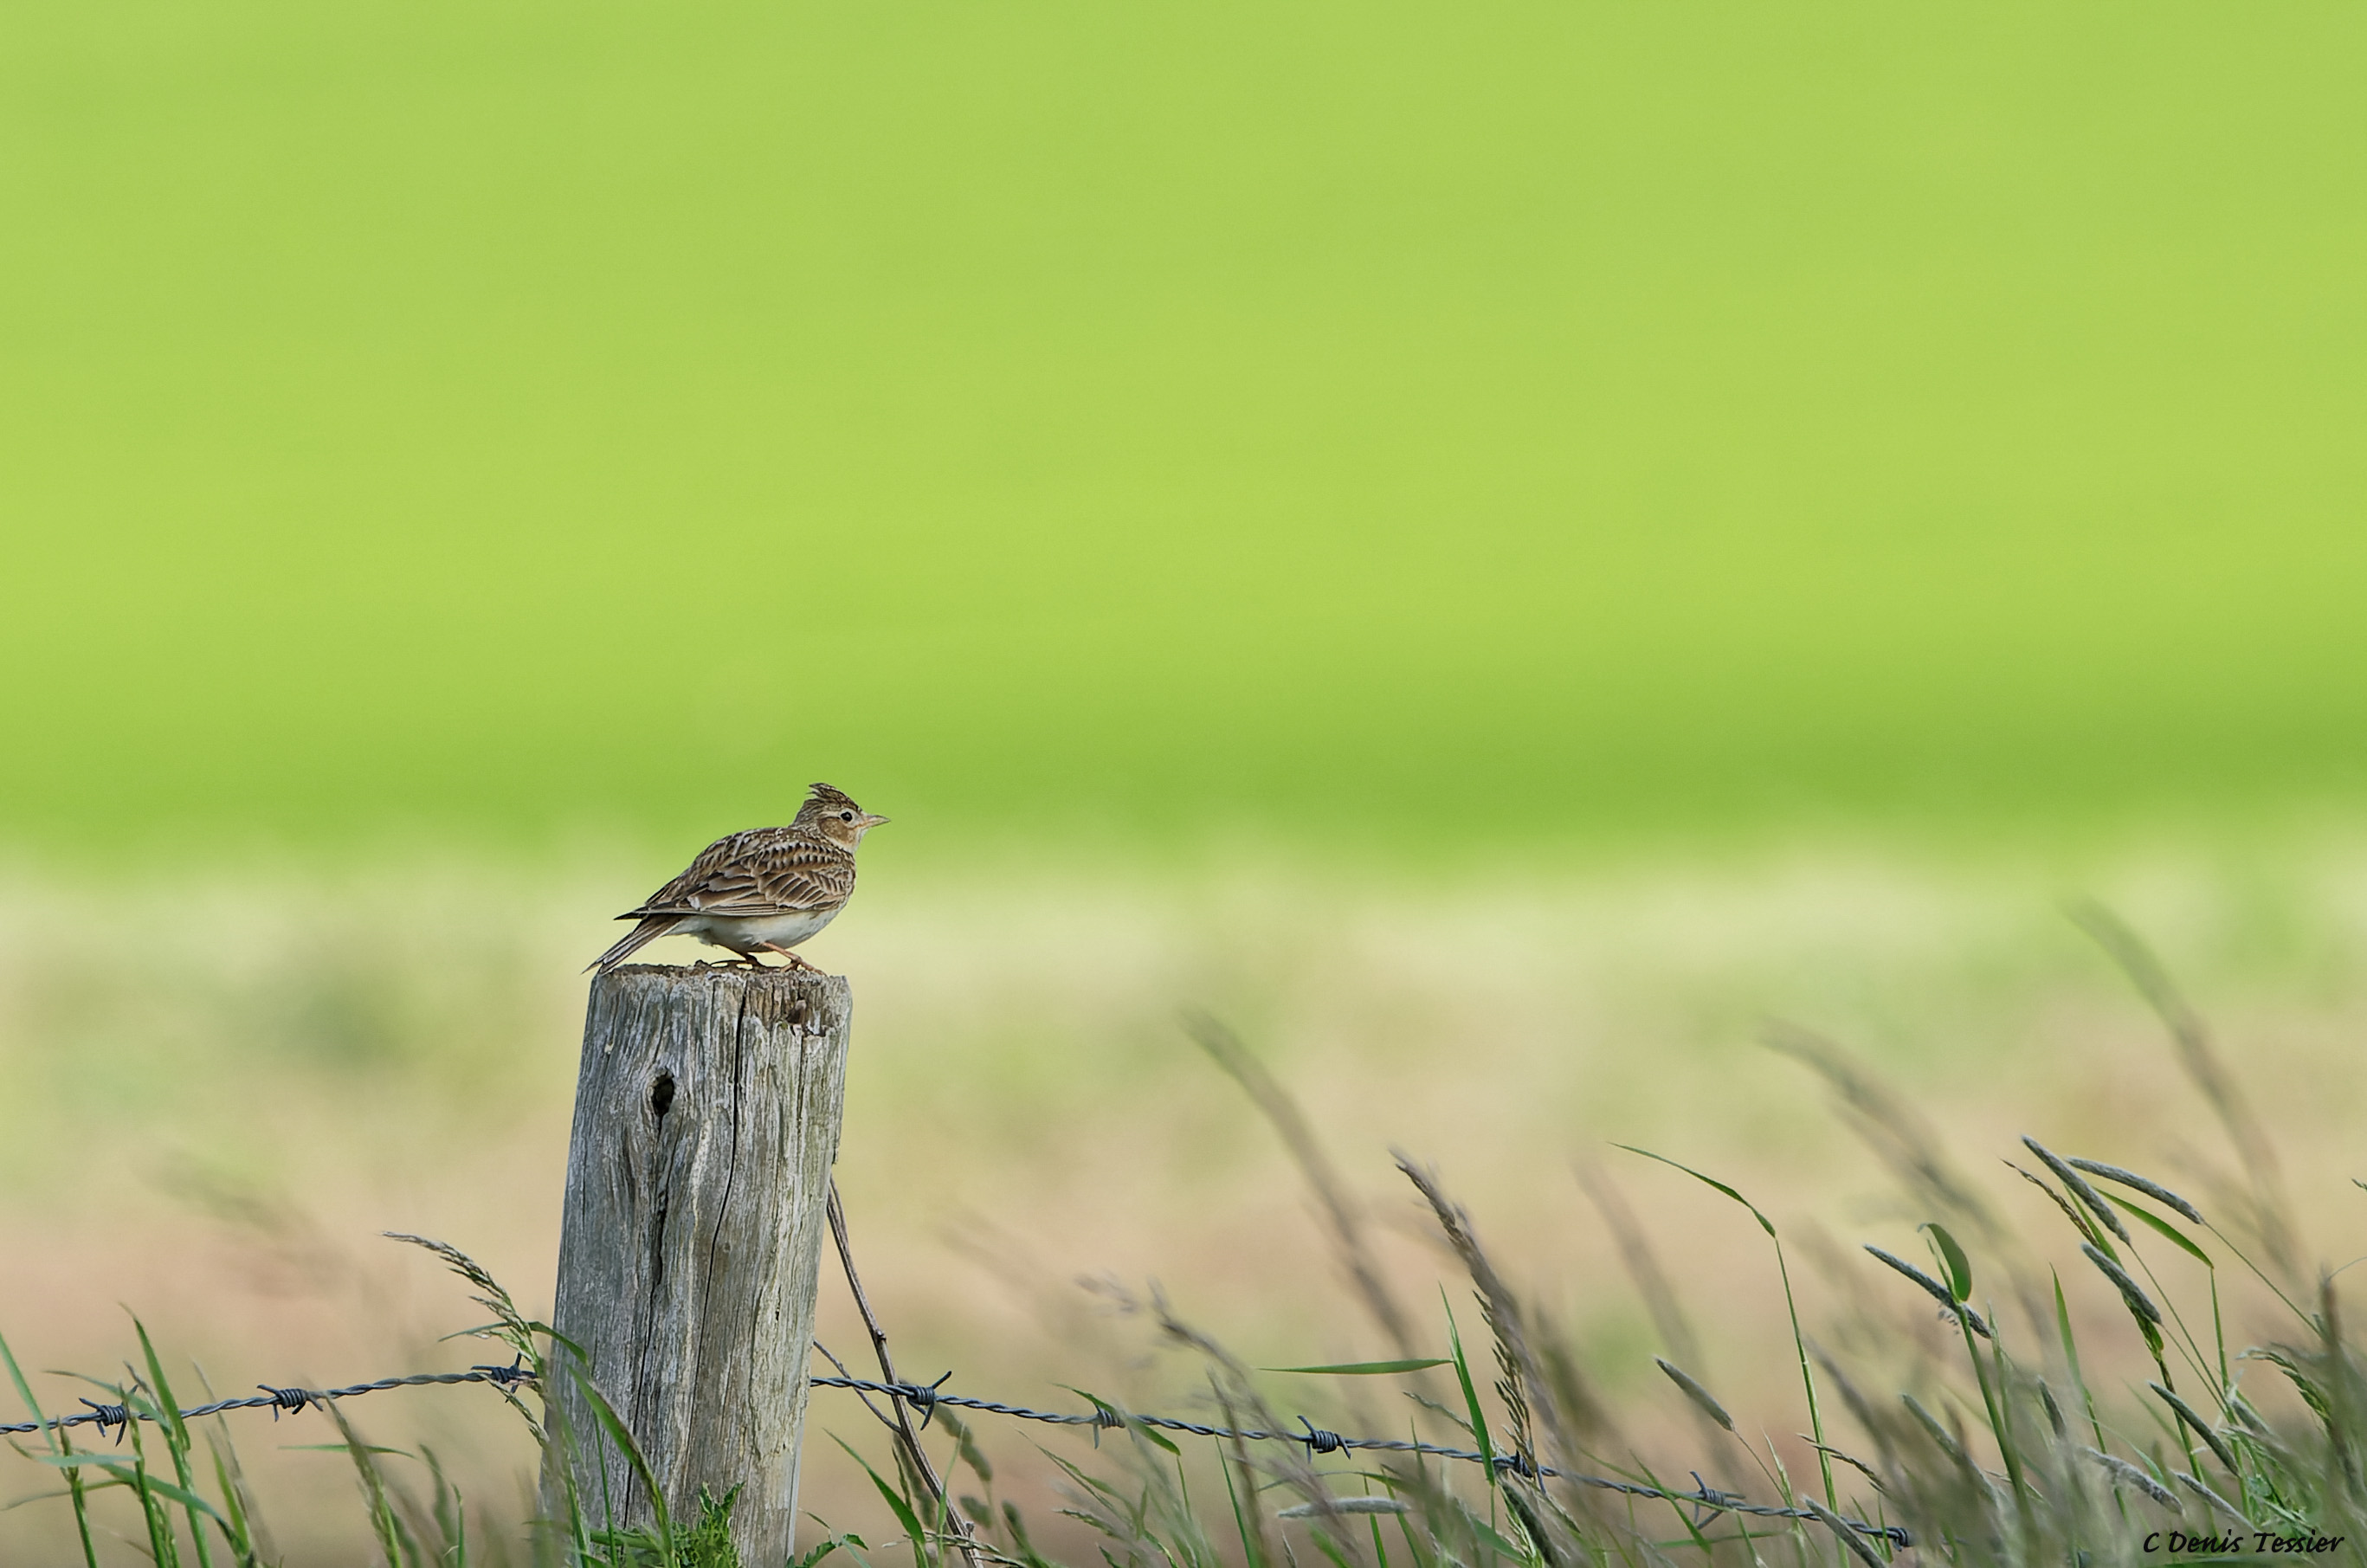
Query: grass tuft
2009, 1458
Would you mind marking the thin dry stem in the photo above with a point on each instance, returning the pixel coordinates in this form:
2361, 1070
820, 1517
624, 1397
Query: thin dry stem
908, 1441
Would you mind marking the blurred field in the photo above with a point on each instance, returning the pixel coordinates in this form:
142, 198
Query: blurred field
516, 421
1492, 550
220, 1089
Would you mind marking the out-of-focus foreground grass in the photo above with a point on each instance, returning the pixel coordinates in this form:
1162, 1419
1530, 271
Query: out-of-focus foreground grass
219, 1091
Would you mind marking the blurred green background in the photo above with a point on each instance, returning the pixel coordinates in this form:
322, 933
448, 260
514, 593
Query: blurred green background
1387, 424
456, 455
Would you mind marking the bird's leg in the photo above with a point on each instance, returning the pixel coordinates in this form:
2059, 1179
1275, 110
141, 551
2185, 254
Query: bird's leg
795, 961
751, 960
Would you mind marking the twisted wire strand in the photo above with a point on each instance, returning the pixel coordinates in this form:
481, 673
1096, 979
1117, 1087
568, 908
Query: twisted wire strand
113, 1417
927, 1397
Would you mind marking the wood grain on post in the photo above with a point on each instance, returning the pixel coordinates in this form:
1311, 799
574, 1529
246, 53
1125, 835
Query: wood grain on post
707, 1115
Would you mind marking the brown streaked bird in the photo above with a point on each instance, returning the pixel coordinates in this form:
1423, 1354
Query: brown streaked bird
764, 891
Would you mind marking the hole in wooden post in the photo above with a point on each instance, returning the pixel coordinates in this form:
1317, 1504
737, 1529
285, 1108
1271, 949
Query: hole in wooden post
661, 1093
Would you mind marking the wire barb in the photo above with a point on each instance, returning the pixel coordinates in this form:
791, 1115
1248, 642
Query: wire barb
278, 1401
928, 1397
517, 1371
1318, 1441
107, 1415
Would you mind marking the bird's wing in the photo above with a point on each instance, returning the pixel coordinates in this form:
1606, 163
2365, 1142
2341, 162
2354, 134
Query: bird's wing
763, 871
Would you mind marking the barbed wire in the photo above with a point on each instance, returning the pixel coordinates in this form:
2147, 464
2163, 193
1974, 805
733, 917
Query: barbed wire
928, 1397
115, 1417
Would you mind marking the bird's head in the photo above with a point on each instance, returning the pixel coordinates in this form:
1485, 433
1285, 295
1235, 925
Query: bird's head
829, 812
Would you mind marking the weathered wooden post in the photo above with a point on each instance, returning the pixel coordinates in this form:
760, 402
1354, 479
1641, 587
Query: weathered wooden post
707, 1115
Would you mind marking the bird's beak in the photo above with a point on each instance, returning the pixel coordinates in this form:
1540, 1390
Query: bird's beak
870, 820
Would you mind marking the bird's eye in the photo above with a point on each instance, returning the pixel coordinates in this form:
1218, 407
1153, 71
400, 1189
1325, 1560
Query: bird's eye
846, 816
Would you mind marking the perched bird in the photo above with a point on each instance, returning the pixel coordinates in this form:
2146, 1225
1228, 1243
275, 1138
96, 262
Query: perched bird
764, 891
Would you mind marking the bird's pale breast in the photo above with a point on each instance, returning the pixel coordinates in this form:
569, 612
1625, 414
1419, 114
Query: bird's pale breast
785, 930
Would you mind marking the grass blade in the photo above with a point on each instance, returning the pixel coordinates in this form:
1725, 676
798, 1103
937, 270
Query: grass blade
2169, 1234
614, 1424
1470, 1395
907, 1519
177, 1439
1959, 1268
1791, 1306
59, 1443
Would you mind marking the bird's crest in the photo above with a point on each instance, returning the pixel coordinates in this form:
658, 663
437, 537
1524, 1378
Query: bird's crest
822, 799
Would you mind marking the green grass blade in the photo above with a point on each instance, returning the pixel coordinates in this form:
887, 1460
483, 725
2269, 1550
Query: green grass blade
1328, 1547
1413, 1547
163, 1550
2170, 1232
177, 1438
1709, 1552
1958, 1267
614, 1424
2071, 1359
2219, 1336
907, 1519
59, 1443
50, 1434
1993, 1401
393, 1540
99, 1461
811, 1557
188, 1500
1488, 1535
76, 1490
1764, 1223
1470, 1395
1784, 1272
1250, 1556
238, 1530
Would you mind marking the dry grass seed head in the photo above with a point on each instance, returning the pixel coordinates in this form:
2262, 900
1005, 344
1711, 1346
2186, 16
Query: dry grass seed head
1525, 1371
1899, 1135
2136, 1183
2078, 1185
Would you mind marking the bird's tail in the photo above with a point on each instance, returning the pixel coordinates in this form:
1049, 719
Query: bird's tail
650, 929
